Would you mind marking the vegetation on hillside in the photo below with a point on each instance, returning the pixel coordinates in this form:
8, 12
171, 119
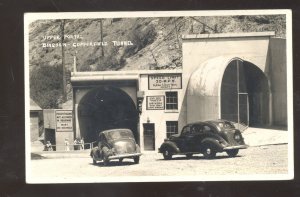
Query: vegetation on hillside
46, 86
156, 44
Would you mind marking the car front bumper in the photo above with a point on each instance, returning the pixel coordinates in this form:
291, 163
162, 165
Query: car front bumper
124, 156
236, 147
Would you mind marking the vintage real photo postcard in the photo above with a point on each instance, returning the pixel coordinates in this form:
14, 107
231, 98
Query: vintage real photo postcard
158, 96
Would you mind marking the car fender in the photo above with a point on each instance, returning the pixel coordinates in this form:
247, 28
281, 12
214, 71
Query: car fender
137, 149
170, 145
106, 151
93, 152
213, 142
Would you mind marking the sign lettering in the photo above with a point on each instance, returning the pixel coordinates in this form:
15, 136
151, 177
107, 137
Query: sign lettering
64, 120
164, 81
155, 102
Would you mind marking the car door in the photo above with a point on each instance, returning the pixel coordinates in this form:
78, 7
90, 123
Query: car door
200, 131
188, 139
180, 141
195, 137
209, 133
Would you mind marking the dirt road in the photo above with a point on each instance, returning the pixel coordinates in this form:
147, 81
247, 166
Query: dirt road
253, 161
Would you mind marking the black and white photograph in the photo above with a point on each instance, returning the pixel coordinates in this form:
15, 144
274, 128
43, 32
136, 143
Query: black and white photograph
158, 96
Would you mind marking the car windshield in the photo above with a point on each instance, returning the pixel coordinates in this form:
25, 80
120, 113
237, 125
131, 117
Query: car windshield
119, 134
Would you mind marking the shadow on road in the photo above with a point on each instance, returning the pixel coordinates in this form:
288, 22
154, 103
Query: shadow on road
113, 163
36, 156
198, 158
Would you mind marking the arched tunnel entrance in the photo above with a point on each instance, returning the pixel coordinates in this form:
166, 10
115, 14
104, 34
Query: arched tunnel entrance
245, 94
105, 108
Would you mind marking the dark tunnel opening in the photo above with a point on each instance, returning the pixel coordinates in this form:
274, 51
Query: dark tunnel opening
245, 94
106, 108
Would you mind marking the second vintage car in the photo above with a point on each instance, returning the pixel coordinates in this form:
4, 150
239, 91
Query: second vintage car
208, 138
116, 144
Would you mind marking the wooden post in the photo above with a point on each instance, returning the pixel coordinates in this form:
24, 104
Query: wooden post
238, 92
75, 59
101, 37
62, 28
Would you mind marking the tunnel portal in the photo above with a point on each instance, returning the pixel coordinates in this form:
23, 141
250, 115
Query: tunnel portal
105, 108
245, 94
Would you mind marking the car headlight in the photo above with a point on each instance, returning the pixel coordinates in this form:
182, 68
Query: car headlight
237, 137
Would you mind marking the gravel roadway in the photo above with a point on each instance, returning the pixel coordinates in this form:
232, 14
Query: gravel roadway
263, 160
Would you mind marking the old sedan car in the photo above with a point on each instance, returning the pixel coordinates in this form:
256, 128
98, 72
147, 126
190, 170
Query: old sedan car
116, 144
208, 138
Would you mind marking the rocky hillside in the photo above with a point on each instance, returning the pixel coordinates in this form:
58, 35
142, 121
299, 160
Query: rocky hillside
148, 43
156, 41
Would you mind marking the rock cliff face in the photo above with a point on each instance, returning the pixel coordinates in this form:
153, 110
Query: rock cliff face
131, 43
122, 44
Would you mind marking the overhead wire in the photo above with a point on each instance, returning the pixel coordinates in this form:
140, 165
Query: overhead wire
203, 23
175, 28
176, 25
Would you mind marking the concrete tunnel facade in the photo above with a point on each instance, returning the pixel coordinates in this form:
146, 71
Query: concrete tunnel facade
236, 76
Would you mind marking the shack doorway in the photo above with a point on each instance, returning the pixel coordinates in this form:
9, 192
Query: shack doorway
149, 136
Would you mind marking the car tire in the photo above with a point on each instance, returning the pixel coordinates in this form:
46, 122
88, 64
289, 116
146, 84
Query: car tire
105, 156
232, 153
105, 161
209, 152
136, 160
98, 152
167, 154
189, 156
94, 160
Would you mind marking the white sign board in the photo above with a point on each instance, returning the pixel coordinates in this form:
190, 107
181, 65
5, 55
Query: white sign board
64, 120
164, 81
155, 102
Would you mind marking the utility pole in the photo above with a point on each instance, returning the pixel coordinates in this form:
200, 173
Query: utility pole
238, 92
62, 29
203, 29
75, 62
154, 58
176, 32
192, 26
216, 28
101, 38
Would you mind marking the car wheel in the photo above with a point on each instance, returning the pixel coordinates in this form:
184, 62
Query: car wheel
232, 153
189, 155
209, 152
120, 160
105, 156
167, 153
94, 160
136, 160
105, 161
